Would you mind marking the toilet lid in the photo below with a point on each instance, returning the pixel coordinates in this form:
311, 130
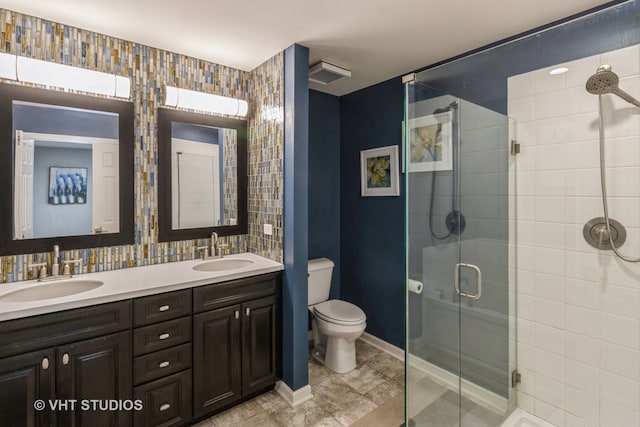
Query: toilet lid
339, 311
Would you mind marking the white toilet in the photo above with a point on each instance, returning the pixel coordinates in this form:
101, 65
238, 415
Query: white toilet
336, 324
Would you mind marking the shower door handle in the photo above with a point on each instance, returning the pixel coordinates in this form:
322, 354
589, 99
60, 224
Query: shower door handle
456, 280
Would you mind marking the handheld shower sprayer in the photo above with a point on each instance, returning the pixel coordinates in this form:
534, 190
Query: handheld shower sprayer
599, 230
606, 81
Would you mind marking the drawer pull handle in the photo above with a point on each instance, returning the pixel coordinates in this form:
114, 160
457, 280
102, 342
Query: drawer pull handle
45, 363
163, 336
236, 314
163, 308
163, 364
165, 406
65, 359
247, 311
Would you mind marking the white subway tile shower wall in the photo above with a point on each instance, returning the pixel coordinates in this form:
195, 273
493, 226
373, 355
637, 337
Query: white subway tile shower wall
578, 307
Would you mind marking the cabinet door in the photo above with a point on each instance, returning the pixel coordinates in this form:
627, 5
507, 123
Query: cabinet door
23, 380
260, 343
166, 402
98, 369
216, 359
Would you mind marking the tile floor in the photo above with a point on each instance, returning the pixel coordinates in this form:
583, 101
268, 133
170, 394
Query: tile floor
371, 395
433, 404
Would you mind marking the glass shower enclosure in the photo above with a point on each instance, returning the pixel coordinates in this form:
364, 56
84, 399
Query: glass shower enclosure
460, 352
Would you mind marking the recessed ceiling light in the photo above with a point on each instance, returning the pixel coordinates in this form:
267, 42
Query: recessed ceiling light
559, 70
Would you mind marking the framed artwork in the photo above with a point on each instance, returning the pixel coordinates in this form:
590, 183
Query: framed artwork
379, 172
67, 186
430, 143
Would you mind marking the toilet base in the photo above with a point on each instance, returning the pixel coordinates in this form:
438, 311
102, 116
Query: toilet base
339, 356
318, 353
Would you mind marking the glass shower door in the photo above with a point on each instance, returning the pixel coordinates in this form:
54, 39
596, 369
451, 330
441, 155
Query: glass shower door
460, 351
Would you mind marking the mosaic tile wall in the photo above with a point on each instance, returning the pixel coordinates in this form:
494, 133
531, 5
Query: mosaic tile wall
230, 186
266, 158
150, 68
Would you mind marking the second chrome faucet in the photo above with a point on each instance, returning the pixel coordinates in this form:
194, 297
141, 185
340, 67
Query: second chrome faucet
216, 248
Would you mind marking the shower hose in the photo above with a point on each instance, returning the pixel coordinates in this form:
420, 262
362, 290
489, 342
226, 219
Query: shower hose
603, 184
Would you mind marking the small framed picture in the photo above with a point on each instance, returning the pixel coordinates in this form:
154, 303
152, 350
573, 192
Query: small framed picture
430, 143
379, 172
67, 186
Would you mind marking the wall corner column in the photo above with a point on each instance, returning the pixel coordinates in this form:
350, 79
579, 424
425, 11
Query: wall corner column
296, 147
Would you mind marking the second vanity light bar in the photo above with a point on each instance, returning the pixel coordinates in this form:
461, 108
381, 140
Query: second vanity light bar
184, 98
46, 73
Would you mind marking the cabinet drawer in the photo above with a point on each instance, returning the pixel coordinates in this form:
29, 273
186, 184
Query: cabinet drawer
236, 291
166, 402
158, 308
161, 363
48, 330
161, 335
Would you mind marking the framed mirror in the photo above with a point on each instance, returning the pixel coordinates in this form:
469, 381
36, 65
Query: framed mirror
202, 175
67, 170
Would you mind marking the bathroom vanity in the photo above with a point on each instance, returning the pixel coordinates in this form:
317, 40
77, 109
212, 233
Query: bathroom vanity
174, 348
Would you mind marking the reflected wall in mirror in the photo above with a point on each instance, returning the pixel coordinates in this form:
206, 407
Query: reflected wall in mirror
202, 175
69, 164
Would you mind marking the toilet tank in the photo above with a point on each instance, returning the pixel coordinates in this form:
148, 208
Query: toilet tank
319, 280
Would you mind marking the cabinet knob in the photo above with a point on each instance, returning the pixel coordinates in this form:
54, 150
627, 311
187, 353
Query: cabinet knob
165, 406
163, 364
65, 359
45, 363
247, 311
163, 336
236, 314
163, 308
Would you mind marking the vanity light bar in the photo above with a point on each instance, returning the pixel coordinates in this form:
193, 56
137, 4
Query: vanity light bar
8, 66
184, 98
51, 74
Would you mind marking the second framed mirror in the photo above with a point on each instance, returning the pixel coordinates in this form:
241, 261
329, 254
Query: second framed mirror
202, 175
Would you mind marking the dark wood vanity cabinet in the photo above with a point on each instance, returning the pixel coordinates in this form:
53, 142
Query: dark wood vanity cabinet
184, 355
236, 341
72, 357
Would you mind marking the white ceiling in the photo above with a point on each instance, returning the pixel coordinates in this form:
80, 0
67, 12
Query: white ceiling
375, 39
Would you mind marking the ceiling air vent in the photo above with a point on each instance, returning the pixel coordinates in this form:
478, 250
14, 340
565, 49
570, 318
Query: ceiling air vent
325, 73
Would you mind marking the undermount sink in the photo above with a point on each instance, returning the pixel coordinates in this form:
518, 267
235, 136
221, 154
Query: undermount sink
222, 264
50, 290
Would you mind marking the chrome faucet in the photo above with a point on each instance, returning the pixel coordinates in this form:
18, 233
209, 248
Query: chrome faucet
55, 262
215, 251
215, 248
55, 267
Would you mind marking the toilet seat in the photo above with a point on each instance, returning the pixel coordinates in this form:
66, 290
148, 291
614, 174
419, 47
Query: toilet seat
339, 312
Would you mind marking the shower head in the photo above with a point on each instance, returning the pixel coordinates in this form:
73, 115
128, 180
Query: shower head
603, 81
448, 108
606, 81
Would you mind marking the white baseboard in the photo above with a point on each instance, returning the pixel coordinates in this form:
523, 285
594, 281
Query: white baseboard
293, 398
471, 391
388, 348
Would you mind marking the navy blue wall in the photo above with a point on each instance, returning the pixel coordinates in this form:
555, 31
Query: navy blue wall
192, 132
481, 77
41, 118
372, 228
324, 181
295, 345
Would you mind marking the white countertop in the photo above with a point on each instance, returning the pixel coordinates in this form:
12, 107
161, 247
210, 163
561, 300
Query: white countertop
129, 283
